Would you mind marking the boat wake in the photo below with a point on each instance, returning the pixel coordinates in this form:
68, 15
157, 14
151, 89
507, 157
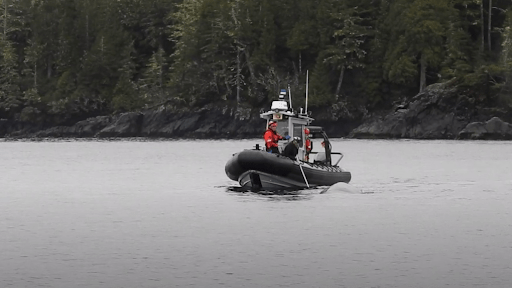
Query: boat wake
343, 188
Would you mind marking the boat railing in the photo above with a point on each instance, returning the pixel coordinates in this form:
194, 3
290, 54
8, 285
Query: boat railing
341, 157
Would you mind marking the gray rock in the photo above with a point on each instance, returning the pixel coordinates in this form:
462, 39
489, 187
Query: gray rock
91, 126
124, 125
82, 129
439, 112
494, 129
155, 121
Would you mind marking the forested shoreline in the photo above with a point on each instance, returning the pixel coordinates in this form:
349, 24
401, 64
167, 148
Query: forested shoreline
62, 61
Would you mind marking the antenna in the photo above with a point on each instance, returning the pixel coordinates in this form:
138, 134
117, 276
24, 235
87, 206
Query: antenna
290, 93
307, 81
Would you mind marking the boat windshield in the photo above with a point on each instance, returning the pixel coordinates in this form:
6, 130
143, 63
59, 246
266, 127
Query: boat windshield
297, 132
282, 129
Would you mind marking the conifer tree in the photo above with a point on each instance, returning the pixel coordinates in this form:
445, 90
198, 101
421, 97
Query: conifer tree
186, 56
506, 61
418, 41
346, 52
319, 89
461, 50
264, 55
303, 39
10, 93
151, 84
11, 101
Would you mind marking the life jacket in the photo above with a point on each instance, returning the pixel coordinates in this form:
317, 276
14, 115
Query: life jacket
271, 138
309, 145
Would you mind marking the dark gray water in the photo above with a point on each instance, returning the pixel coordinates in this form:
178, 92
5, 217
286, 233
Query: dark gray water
162, 214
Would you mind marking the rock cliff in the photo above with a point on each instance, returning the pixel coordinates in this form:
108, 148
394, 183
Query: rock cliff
441, 111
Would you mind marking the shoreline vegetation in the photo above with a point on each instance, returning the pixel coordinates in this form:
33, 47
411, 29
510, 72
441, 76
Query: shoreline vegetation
415, 69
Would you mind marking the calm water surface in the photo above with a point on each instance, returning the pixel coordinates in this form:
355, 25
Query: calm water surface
163, 214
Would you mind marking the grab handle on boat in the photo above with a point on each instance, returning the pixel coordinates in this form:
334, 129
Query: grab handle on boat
303, 175
341, 156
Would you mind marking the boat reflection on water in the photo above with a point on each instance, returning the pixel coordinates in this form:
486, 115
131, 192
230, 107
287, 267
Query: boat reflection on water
276, 195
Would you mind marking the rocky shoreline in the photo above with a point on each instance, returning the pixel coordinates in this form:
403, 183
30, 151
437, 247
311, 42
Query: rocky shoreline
440, 112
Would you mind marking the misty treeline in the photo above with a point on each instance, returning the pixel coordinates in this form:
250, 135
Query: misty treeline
106, 56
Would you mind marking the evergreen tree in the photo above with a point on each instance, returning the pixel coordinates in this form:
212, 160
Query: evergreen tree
185, 70
109, 53
11, 101
419, 40
506, 61
461, 50
151, 84
320, 93
346, 52
304, 36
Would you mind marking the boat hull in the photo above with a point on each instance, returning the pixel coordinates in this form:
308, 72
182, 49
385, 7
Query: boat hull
256, 169
255, 180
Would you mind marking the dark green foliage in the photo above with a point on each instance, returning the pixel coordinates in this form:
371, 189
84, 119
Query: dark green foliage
320, 92
86, 57
11, 100
418, 39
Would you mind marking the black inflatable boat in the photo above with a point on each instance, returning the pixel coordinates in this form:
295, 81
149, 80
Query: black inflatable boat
258, 169
261, 170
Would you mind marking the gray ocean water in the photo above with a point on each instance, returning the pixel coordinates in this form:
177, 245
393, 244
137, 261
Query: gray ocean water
164, 214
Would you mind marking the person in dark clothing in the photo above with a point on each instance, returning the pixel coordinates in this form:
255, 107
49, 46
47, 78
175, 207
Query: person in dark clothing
292, 149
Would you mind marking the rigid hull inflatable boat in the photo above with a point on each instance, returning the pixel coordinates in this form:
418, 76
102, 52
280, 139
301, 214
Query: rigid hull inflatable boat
257, 169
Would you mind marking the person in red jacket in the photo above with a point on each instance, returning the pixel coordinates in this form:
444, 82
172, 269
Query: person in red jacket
271, 138
309, 144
